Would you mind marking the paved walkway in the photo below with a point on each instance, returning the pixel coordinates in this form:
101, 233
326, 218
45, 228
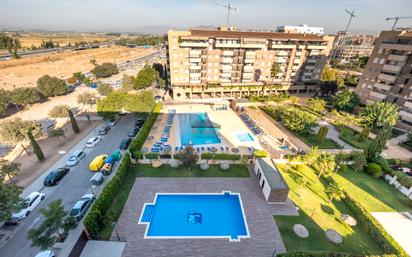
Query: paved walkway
333, 134
265, 236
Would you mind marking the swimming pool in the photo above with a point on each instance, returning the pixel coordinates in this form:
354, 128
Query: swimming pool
244, 137
197, 129
195, 216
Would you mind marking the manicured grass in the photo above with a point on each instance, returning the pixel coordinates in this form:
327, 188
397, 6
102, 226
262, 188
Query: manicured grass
373, 193
326, 144
351, 137
317, 215
235, 170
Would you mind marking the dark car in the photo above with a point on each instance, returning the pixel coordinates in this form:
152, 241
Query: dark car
81, 207
139, 123
55, 176
133, 132
125, 143
104, 130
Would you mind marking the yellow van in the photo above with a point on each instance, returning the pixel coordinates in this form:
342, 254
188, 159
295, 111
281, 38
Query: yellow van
97, 162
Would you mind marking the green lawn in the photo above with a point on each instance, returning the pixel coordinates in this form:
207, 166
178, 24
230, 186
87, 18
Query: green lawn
373, 193
317, 215
351, 137
326, 144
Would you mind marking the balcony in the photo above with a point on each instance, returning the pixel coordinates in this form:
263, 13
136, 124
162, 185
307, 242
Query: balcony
194, 44
406, 115
227, 44
397, 58
256, 45
226, 60
392, 68
281, 46
316, 47
395, 46
378, 95
194, 67
311, 60
408, 105
307, 74
195, 81
282, 53
296, 61
250, 54
248, 68
226, 75
280, 60
383, 86
387, 78
194, 75
196, 60
227, 53
249, 60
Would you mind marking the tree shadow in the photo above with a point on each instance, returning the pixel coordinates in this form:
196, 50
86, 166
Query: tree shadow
327, 209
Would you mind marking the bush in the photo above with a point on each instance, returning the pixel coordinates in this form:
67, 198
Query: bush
151, 156
343, 168
220, 156
104, 89
59, 111
374, 169
51, 86
105, 70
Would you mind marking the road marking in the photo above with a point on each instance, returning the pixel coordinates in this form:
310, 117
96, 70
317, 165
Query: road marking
34, 222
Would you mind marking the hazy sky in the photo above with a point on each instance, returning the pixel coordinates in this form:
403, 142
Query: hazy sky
129, 15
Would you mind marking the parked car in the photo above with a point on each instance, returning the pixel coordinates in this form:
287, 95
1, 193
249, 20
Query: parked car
75, 157
92, 142
46, 254
81, 207
133, 131
125, 143
28, 204
104, 130
106, 169
139, 122
113, 122
97, 179
97, 162
55, 176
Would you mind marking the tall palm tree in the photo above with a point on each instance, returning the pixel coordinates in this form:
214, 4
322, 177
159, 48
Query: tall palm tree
9, 169
379, 114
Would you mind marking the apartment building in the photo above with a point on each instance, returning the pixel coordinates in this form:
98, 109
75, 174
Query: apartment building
353, 46
233, 64
387, 75
301, 28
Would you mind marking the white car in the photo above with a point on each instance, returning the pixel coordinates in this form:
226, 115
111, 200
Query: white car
113, 122
75, 157
28, 204
92, 142
46, 254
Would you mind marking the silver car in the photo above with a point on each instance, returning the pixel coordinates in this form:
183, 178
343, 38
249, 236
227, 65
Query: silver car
81, 207
75, 157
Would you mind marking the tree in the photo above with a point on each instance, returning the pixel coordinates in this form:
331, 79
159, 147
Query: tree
378, 144
316, 104
86, 98
54, 227
145, 77
340, 82
346, 101
36, 147
9, 169
105, 70
127, 83
10, 198
4, 101
364, 134
333, 191
296, 120
56, 133
325, 163
189, 157
293, 99
300, 180
328, 73
358, 161
312, 157
15, 130
11, 44
79, 76
59, 111
275, 69
51, 86
104, 89
73, 121
323, 130
24, 96
378, 114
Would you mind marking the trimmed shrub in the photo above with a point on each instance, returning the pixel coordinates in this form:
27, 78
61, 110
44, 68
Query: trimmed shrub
220, 156
59, 111
261, 153
323, 130
374, 169
151, 156
343, 168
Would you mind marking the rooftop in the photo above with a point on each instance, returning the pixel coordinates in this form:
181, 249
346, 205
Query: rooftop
272, 174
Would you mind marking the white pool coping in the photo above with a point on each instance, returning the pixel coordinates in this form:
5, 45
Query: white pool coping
195, 237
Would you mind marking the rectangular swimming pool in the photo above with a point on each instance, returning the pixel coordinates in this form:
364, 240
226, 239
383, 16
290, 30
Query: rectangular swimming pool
197, 129
195, 216
244, 137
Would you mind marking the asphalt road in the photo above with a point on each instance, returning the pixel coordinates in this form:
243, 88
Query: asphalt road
70, 189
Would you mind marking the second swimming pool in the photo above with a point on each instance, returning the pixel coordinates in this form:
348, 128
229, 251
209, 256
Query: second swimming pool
196, 129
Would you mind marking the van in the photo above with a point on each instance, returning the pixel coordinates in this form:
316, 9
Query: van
97, 179
97, 162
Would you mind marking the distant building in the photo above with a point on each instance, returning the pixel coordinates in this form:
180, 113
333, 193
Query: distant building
302, 28
387, 75
234, 64
348, 47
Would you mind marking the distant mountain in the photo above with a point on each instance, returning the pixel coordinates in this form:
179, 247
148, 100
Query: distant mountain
162, 29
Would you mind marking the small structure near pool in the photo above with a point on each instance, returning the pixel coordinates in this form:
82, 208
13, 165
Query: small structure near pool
273, 185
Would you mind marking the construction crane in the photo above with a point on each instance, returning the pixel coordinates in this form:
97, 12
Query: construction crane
351, 16
229, 8
396, 19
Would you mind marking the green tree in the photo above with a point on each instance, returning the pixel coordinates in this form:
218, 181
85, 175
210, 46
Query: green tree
10, 198
54, 227
325, 163
11, 44
293, 99
189, 157
73, 121
86, 98
333, 191
79, 76
145, 77
297, 120
57, 133
378, 114
320, 137
59, 111
275, 69
340, 82
9, 169
358, 161
300, 180
378, 144
15, 130
51, 86
316, 104
312, 157
24, 96
4, 101
104, 89
329, 73
127, 83
105, 70
345, 101
36, 147
364, 134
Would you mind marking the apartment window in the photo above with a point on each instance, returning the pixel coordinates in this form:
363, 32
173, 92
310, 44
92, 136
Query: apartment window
175, 64
174, 47
209, 64
209, 78
175, 55
216, 56
215, 77
216, 64
376, 60
216, 70
209, 70
382, 61
380, 50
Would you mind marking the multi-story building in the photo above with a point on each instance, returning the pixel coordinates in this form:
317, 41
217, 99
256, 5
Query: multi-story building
302, 28
233, 64
348, 47
387, 75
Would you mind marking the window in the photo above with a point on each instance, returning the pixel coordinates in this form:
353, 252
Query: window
263, 184
376, 60
380, 50
382, 61
34, 199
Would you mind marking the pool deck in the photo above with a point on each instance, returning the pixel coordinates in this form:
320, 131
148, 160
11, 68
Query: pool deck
264, 234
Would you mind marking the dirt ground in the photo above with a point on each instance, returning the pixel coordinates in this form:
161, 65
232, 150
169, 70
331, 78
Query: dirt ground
27, 40
32, 169
25, 72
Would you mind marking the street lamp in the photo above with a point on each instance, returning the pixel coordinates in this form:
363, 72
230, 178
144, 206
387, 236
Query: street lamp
115, 230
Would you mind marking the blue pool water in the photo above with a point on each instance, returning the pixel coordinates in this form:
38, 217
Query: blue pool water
196, 129
194, 216
244, 137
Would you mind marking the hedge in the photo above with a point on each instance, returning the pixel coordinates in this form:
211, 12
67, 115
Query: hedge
326, 254
139, 140
94, 220
151, 156
220, 156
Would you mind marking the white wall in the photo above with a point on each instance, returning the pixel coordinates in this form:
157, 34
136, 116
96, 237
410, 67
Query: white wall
266, 188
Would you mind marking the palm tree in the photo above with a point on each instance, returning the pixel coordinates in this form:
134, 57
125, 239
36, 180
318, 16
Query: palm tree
9, 169
379, 114
311, 157
333, 191
325, 162
57, 133
189, 157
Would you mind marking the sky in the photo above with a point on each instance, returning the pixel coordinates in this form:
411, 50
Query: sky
130, 15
